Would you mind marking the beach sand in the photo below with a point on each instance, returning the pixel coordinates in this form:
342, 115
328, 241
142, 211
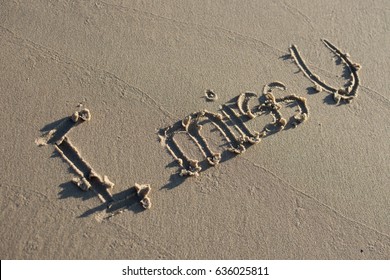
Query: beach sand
317, 191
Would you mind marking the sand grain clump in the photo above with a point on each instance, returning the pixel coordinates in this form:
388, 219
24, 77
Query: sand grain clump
210, 95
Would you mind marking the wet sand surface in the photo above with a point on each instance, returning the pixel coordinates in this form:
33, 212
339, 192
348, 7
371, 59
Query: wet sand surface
296, 170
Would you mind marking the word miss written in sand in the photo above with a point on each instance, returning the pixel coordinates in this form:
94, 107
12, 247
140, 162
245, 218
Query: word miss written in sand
231, 122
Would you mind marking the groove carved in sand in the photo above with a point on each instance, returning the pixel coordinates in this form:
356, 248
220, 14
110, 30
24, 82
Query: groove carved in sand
345, 94
231, 125
210, 95
86, 177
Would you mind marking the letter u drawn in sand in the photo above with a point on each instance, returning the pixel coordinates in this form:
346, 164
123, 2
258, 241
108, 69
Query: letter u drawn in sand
346, 94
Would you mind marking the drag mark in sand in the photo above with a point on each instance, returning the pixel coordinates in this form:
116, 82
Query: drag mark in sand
189, 166
345, 94
231, 125
63, 128
193, 128
245, 135
86, 177
243, 104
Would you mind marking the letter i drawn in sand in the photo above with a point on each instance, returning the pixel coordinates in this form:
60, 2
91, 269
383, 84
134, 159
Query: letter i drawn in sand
87, 179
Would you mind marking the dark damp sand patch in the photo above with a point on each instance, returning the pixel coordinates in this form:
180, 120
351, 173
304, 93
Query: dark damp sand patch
346, 94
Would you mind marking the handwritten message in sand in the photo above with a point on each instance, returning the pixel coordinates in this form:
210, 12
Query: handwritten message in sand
236, 133
231, 122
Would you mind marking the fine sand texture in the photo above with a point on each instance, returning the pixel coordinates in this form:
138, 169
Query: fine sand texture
194, 129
